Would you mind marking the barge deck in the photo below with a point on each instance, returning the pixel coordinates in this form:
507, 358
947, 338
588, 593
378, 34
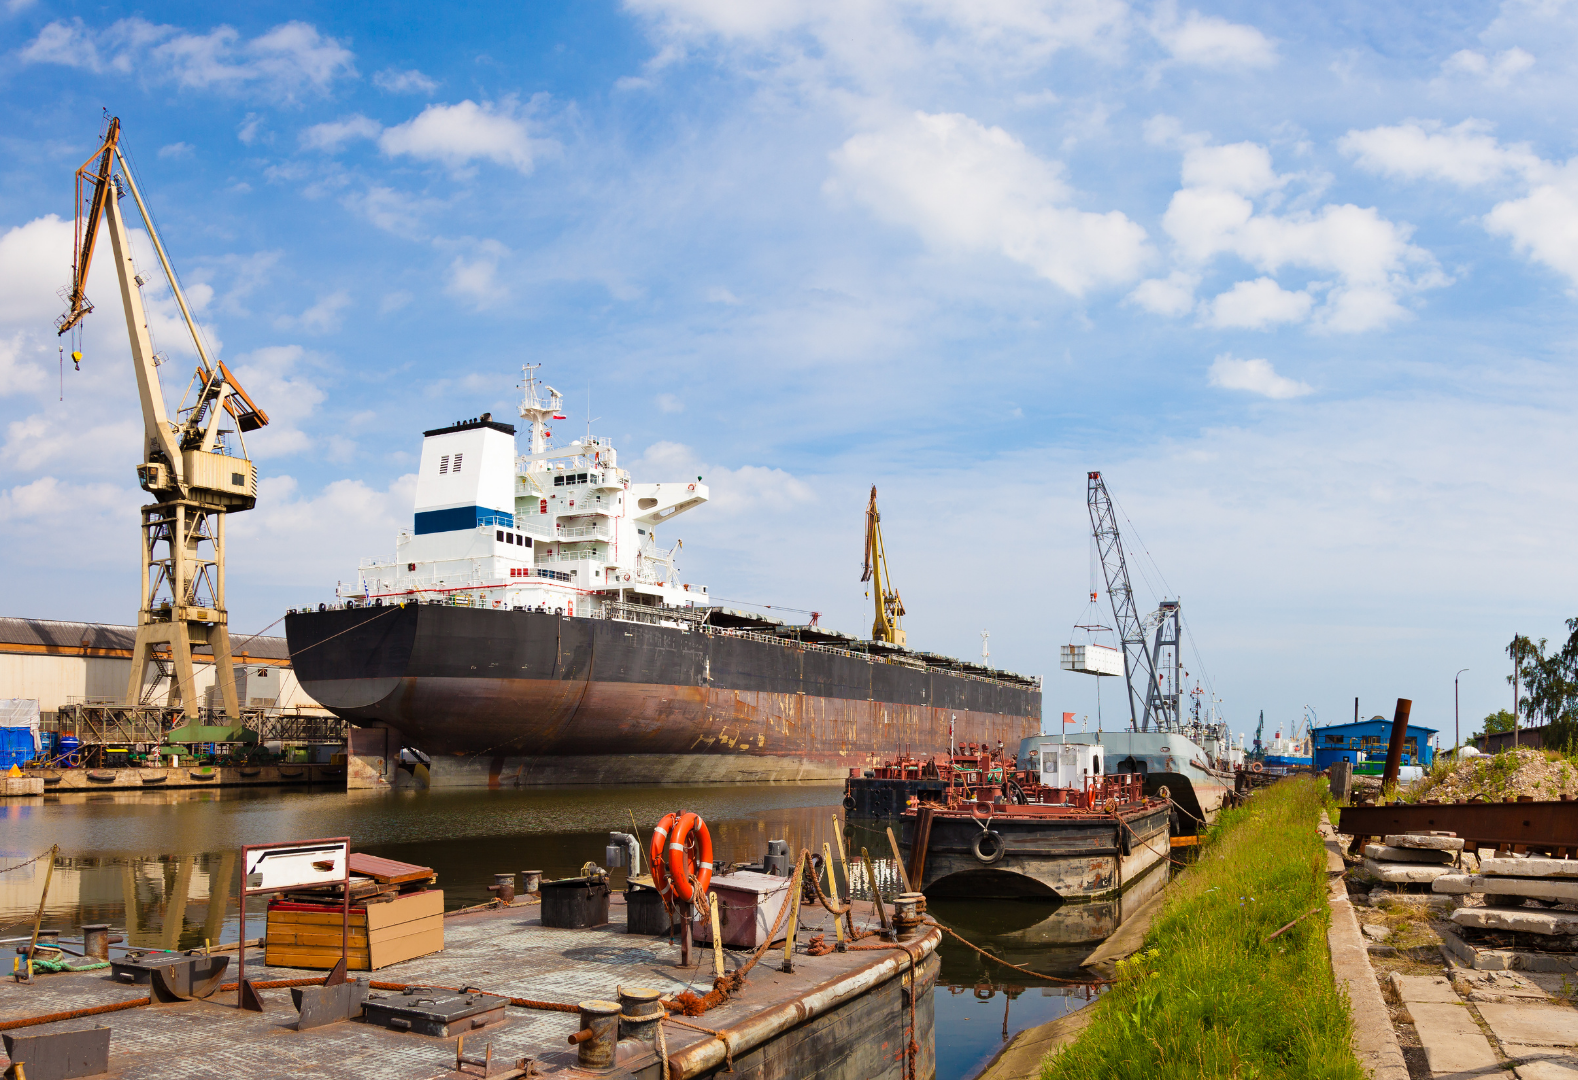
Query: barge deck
842, 1015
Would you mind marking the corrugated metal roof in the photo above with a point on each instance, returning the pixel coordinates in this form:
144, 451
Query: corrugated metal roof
58, 634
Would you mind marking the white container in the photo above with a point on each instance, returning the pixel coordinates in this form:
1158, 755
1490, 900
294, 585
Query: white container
1092, 659
750, 906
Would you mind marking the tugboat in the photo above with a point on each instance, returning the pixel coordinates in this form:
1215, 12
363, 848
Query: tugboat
1069, 831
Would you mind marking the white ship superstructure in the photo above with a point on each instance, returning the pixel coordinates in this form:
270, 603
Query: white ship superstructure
561, 529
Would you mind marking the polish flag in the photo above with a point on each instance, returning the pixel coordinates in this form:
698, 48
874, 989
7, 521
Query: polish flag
1068, 718
556, 416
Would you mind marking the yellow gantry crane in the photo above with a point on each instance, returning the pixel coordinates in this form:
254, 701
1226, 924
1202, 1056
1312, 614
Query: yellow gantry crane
890, 609
188, 465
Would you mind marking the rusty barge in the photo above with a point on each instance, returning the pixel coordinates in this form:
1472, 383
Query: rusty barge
530, 629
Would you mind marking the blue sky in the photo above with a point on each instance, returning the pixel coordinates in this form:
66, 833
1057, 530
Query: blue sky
1300, 281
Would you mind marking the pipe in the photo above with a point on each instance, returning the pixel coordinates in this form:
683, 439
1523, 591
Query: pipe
632, 848
1394, 749
699, 1058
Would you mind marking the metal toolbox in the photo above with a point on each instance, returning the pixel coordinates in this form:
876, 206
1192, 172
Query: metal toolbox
440, 1013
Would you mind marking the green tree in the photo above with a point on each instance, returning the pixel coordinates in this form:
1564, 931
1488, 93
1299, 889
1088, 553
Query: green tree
1549, 685
1498, 722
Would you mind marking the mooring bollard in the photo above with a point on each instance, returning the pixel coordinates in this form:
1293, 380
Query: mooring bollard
531, 881
599, 1035
908, 909
503, 887
96, 940
640, 1012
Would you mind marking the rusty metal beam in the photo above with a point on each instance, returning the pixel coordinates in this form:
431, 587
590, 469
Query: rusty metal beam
1532, 824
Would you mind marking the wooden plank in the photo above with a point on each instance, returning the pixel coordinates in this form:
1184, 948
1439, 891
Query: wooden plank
326, 937
316, 918
1186, 841
406, 908
388, 871
392, 952
321, 959
406, 929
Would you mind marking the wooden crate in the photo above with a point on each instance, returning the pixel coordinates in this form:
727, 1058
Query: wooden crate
308, 936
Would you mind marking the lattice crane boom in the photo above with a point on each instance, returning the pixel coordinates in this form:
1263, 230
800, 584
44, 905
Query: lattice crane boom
1149, 703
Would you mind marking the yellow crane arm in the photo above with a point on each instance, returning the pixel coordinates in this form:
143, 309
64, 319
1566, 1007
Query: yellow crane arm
889, 608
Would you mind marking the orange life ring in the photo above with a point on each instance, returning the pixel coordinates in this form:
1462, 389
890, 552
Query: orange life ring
685, 864
655, 857
691, 488
1256, 767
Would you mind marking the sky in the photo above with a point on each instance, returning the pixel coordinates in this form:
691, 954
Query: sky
1299, 280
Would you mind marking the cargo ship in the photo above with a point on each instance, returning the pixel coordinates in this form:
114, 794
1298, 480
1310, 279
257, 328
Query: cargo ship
530, 629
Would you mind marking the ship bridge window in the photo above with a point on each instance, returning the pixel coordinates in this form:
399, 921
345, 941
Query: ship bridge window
499, 535
580, 478
558, 481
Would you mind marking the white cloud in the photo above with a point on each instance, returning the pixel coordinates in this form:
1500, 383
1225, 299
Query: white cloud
322, 317
288, 59
475, 278
394, 301
1172, 295
333, 135
967, 187
17, 376
271, 379
1374, 264
1496, 71
1210, 41
326, 532
1241, 167
457, 135
404, 82
670, 404
1255, 377
1467, 154
1259, 304
1542, 223
737, 492
176, 150
719, 295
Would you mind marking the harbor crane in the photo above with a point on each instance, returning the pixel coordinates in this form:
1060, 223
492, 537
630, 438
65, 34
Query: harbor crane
1152, 668
890, 609
188, 465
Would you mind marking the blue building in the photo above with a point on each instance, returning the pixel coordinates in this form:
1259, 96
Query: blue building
1367, 741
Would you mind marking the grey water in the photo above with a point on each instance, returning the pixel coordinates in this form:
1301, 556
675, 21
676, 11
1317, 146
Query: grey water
162, 866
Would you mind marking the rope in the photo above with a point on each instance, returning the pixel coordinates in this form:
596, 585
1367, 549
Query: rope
1036, 974
30, 862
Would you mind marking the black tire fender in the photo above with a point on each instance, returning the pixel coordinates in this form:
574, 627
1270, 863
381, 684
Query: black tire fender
988, 847
849, 802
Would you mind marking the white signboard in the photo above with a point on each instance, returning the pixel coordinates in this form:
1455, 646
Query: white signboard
290, 866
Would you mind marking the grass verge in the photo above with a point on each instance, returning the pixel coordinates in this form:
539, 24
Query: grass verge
1209, 996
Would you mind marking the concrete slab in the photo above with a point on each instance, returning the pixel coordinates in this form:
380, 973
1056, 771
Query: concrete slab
1496, 986
1532, 1025
1525, 920
1425, 841
1454, 1046
1423, 989
1482, 958
1531, 867
1401, 874
1542, 1063
1534, 888
1407, 855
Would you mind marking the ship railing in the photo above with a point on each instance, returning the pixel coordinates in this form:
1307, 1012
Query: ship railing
899, 660
570, 556
687, 618
599, 532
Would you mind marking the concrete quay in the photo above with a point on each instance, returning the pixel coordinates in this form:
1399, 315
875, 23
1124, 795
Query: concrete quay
163, 778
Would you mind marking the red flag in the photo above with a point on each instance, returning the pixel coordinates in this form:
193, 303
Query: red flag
1068, 718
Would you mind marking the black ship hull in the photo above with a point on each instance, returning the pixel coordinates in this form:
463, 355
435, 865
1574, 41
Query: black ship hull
501, 698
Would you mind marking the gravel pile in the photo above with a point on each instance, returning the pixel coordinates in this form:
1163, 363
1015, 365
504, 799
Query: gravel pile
1519, 771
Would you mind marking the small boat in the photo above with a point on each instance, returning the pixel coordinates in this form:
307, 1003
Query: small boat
1067, 832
